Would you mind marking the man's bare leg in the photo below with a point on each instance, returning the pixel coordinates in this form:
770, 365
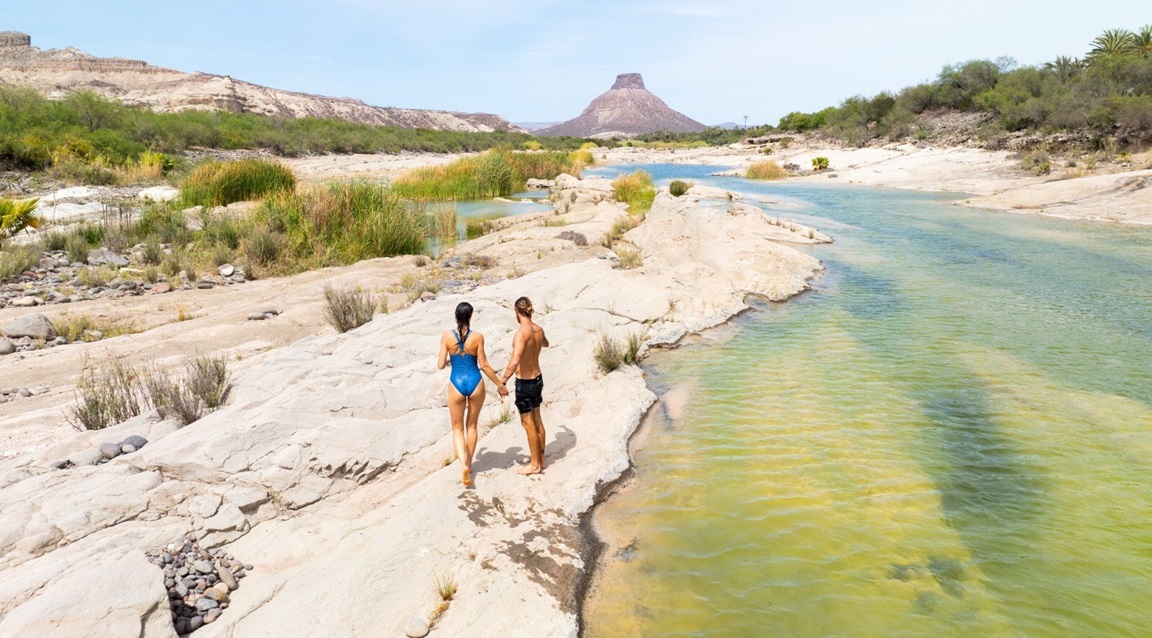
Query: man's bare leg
534, 447
538, 421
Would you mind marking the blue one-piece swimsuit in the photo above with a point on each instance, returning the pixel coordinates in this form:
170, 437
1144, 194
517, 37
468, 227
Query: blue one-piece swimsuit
465, 370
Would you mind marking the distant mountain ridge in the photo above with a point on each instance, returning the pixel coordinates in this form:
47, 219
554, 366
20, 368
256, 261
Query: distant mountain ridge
59, 72
627, 109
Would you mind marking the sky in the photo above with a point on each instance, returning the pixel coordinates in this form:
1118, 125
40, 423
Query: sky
715, 61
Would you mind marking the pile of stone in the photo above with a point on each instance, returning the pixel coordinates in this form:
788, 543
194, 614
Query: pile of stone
11, 394
100, 455
56, 280
199, 582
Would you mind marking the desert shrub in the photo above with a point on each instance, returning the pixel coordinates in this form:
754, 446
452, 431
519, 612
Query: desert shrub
15, 216
1037, 162
77, 247
151, 253
262, 246
163, 223
478, 261
635, 189
116, 241
95, 277
629, 257
678, 187
110, 393
608, 353
222, 183
224, 231
54, 241
479, 227
820, 163
76, 328
177, 262
576, 238
203, 387
347, 309
632, 346
17, 259
766, 170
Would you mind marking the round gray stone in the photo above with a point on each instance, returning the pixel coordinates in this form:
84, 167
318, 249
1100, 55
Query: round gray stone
7, 347
135, 441
110, 450
226, 270
416, 628
34, 326
127, 449
203, 566
194, 623
204, 604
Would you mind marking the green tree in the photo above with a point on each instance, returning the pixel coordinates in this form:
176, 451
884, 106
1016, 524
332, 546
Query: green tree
1065, 67
1112, 43
1142, 41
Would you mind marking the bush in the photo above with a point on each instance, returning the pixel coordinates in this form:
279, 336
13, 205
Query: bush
18, 259
203, 388
1037, 162
765, 170
106, 395
222, 183
576, 238
679, 187
262, 246
633, 344
820, 164
347, 309
54, 241
608, 353
629, 258
635, 189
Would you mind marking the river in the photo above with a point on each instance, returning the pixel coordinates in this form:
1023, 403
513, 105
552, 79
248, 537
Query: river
951, 435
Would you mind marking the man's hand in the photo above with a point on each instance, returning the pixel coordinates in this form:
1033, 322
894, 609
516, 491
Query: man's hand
503, 390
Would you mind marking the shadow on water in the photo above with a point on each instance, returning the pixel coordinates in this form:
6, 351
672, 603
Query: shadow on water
987, 490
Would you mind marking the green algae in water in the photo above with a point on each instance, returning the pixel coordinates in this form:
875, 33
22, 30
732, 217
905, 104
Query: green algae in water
952, 437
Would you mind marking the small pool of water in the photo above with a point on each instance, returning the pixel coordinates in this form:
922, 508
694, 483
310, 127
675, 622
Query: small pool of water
481, 210
952, 436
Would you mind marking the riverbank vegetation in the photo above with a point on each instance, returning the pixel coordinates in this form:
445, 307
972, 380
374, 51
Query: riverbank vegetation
497, 173
1105, 97
90, 139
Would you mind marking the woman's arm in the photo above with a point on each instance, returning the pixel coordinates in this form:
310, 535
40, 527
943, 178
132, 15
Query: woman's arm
442, 357
482, 362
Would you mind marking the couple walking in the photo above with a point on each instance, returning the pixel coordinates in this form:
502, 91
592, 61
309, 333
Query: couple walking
464, 349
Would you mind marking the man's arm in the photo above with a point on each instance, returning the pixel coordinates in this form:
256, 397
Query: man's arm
543, 338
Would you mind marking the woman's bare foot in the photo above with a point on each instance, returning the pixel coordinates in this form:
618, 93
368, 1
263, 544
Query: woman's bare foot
466, 476
529, 469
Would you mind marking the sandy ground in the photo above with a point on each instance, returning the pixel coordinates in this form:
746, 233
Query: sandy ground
376, 167
1116, 192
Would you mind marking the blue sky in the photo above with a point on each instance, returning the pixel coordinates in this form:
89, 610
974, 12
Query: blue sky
715, 60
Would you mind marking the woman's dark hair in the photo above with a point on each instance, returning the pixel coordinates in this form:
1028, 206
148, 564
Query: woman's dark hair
463, 317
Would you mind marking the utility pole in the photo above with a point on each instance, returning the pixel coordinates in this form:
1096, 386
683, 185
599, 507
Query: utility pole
745, 122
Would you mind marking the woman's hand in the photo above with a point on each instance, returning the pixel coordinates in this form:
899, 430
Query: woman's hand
503, 390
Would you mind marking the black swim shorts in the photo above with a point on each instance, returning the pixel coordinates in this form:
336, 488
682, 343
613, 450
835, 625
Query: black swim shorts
529, 394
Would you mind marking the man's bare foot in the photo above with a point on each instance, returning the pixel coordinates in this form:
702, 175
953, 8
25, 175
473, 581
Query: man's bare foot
529, 469
466, 476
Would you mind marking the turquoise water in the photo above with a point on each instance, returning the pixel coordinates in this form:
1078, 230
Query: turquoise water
480, 210
951, 436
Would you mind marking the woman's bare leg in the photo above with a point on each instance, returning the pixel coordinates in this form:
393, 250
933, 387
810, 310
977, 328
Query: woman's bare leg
475, 406
456, 405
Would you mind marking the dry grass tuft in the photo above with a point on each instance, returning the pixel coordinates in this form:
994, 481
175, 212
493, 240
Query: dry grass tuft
766, 170
348, 308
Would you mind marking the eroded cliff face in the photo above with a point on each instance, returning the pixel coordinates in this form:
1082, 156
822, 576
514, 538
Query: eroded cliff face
628, 108
58, 72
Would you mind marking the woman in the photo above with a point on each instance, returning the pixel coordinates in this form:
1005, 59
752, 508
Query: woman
464, 348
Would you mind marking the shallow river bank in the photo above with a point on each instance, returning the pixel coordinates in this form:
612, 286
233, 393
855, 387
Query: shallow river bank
950, 436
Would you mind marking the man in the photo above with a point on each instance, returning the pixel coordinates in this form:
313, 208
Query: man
525, 364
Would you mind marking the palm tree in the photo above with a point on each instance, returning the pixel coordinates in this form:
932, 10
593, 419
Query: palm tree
16, 216
1111, 43
1065, 67
1142, 41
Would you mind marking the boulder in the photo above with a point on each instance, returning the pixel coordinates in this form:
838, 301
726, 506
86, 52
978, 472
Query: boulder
27, 302
135, 441
159, 193
90, 456
110, 450
32, 326
7, 347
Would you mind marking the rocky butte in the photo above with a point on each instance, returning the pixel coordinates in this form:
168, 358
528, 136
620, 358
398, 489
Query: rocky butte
57, 73
627, 109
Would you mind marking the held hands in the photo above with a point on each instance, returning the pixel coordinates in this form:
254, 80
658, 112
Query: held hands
503, 390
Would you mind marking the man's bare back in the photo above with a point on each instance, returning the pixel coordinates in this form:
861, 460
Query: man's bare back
527, 342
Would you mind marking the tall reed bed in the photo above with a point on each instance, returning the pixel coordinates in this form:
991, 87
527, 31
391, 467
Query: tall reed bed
492, 174
222, 183
344, 222
636, 190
